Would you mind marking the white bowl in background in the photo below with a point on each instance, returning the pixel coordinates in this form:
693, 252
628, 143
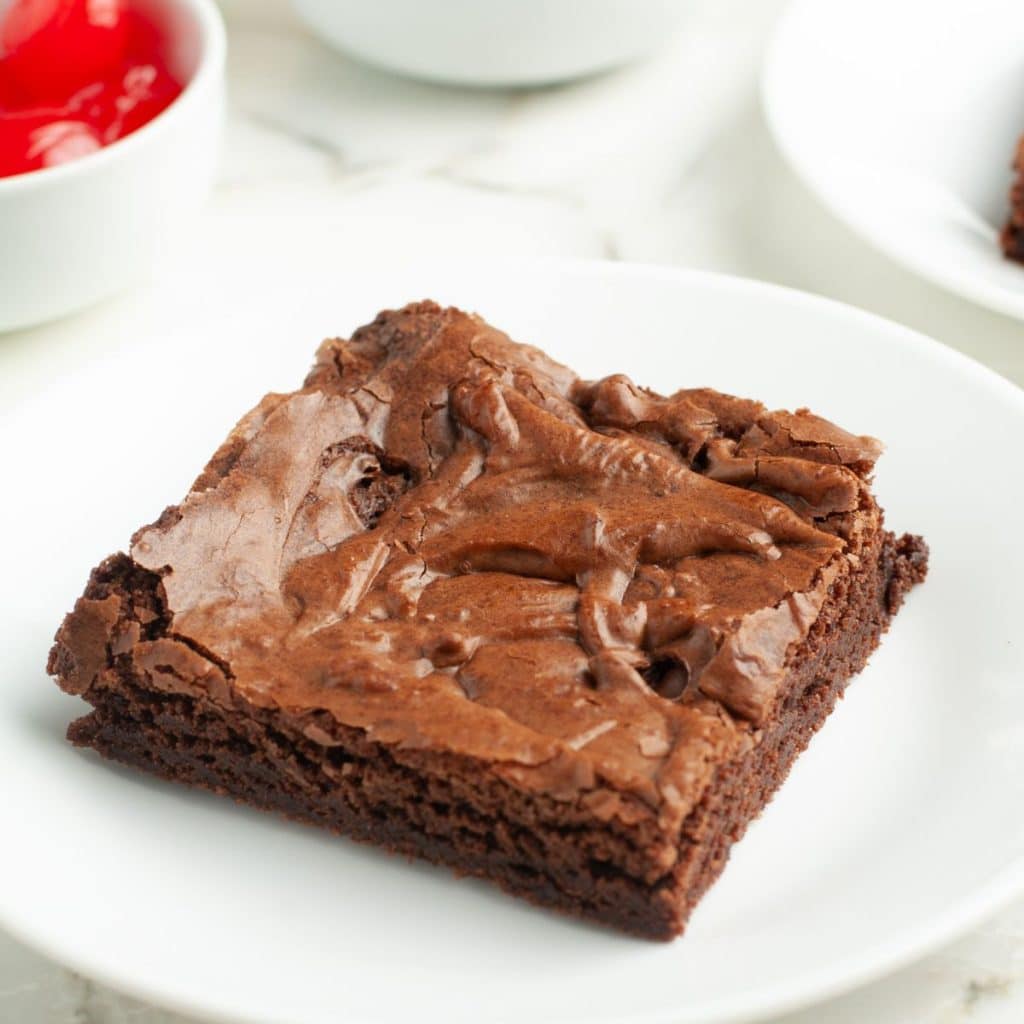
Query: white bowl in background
79, 232
493, 42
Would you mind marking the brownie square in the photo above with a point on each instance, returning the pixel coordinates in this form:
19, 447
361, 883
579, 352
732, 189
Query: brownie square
1012, 238
450, 599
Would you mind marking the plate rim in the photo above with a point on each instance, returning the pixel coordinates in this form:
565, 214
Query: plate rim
772, 76
802, 990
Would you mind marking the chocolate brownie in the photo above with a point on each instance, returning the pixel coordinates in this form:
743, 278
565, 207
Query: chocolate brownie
1012, 238
450, 599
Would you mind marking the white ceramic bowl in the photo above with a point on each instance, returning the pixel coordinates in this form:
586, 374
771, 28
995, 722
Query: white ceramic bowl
73, 234
493, 42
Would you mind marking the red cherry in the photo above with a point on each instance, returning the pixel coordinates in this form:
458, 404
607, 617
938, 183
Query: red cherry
145, 38
62, 141
35, 139
76, 75
13, 145
126, 101
8, 94
148, 90
51, 47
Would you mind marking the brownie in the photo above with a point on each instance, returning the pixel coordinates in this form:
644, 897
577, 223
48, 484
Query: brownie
450, 599
1012, 238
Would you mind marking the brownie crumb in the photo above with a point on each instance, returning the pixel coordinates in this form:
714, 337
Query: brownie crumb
907, 565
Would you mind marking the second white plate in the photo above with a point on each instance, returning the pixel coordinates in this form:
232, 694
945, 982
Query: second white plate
898, 828
903, 117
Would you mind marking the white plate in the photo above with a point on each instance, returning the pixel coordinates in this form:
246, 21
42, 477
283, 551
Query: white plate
904, 117
900, 827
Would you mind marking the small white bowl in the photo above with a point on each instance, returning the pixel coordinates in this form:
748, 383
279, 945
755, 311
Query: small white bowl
79, 232
493, 42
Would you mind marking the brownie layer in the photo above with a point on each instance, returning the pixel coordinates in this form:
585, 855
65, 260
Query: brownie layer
1012, 238
455, 812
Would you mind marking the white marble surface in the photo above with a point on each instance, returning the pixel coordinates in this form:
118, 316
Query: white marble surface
669, 162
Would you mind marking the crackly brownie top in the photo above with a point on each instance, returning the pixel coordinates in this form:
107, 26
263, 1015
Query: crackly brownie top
449, 540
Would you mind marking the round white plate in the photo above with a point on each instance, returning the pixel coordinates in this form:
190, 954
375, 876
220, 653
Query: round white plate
904, 118
900, 826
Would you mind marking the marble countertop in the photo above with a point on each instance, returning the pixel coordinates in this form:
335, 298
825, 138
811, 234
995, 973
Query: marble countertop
669, 161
